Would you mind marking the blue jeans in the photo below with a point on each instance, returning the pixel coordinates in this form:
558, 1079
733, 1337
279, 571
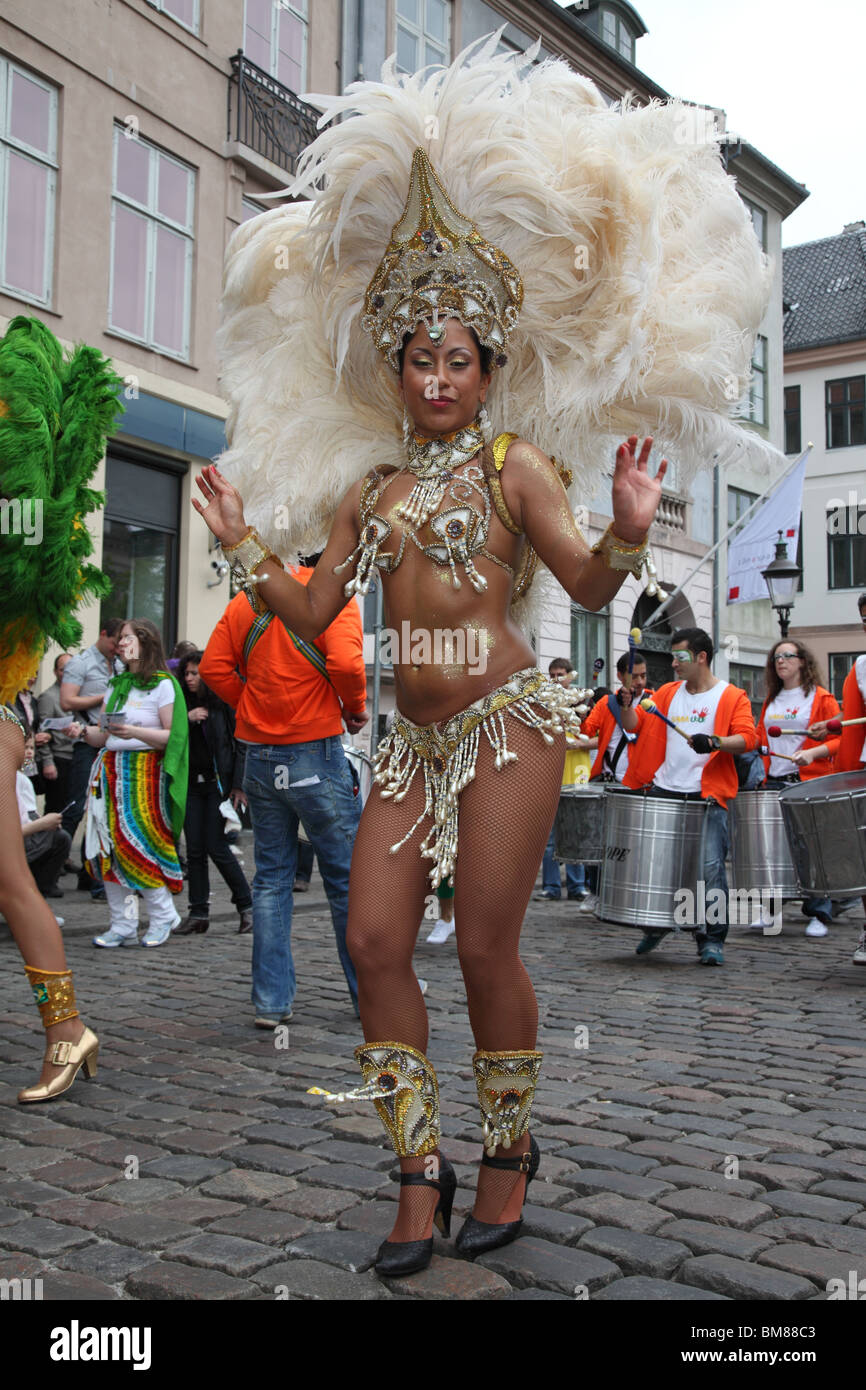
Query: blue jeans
285, 784
575, 874
822, 908
716, 846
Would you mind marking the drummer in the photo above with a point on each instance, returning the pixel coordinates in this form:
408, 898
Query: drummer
698, 766
796, 699
603, 728
852, 745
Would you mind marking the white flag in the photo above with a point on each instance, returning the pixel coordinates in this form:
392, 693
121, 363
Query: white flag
755, 546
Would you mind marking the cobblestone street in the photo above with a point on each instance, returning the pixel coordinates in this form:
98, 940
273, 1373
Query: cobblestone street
703, 1132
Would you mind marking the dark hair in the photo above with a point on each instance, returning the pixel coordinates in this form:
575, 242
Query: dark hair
205, 695
601, 692
152, 657
861, 602
622, 663
560, 661
57, 658
696, 639
810, 676
112, 626
181, 649
486, 354
309, 562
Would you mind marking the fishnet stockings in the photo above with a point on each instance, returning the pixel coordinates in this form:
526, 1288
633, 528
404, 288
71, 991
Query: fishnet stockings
505, 819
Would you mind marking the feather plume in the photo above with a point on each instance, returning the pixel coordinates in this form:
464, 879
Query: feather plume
644, 283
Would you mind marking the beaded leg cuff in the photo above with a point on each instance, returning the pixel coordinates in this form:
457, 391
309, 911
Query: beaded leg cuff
506, 1084
402, 1085
54, 993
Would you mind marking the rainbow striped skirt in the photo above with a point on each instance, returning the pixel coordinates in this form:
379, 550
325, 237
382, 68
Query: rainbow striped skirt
128, 809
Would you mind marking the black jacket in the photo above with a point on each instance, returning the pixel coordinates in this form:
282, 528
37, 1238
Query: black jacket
219, 735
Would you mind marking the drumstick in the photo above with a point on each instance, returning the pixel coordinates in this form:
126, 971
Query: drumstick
766, 752
653, 709
835, 726
633, 639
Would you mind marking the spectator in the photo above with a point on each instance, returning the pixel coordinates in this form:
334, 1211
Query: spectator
57, 763
575, 771
85, 681
290, 698
45, 844
216, 770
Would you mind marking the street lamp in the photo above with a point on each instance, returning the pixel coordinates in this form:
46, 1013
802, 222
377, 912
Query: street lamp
782, 577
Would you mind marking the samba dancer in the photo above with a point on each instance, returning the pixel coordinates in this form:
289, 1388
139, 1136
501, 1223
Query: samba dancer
704, 769
54, 415
456, 525
796, 699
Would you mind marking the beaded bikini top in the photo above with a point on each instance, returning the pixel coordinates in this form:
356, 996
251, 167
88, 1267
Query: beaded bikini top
461, 529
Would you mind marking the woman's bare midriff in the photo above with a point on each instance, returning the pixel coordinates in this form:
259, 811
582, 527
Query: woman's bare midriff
450, 646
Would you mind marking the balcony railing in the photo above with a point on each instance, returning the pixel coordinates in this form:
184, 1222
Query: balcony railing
266, 117
672, 512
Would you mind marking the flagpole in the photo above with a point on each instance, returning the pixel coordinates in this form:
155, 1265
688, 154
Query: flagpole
657, 612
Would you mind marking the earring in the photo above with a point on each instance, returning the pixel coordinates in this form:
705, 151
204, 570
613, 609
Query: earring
407, 428
484, 422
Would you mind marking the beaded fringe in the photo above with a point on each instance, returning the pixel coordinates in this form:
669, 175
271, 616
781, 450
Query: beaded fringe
449, 763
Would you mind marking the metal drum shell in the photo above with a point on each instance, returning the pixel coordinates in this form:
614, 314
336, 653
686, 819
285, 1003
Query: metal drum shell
578, 829
654, 845
825, 820
760, 855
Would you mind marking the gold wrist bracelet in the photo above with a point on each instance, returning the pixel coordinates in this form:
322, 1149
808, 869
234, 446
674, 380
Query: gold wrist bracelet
620, 555
246, 555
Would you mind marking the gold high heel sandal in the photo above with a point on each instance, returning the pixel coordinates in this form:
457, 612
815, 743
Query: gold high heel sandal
55, 995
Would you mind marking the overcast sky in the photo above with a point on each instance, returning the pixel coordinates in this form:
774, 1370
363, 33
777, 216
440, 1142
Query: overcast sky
791, 75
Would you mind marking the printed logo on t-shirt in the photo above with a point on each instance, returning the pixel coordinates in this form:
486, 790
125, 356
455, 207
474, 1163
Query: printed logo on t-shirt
697, 716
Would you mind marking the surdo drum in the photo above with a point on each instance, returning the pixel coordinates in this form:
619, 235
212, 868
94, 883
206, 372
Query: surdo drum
825, 819
578, 830
760, 857
653, 846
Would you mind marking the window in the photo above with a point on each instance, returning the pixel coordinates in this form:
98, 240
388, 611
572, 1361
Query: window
151, 246
845, 401
751, 679
846, 556
617, 34
186, 12
141, 533
423, 33
753, 406
759, 221
840, 665
793, 433
250, 209
589, 640
28, 179
275, 38
738, 503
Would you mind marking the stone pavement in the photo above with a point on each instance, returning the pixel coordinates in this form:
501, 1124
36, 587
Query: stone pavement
703, 1131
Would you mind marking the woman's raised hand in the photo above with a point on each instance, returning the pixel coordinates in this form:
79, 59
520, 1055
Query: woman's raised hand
635, 494
223, 511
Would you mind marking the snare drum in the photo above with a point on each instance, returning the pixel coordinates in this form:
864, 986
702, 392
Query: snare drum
825, 820
760, 857
578, 831
653, 847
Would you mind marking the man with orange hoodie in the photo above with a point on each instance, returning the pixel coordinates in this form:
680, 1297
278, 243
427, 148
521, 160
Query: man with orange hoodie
717, 719
291, 699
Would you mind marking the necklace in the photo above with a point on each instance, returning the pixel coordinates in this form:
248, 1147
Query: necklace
433, 462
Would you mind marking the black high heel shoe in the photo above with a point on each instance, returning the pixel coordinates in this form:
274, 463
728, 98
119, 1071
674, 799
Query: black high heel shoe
476, 1237
398, 1257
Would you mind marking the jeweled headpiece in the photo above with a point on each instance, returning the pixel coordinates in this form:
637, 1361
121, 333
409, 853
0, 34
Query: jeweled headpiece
439, 266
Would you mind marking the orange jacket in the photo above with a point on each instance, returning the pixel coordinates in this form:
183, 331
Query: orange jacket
600, 721
279, 695
824, 706
848, 759
719, 778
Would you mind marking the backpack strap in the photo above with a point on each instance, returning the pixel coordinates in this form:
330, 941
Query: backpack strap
312, 653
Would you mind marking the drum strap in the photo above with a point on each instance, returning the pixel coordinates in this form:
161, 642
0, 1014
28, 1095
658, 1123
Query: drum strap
623, 743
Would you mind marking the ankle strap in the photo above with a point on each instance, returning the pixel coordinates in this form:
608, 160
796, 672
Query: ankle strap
419, 1180
521, 1163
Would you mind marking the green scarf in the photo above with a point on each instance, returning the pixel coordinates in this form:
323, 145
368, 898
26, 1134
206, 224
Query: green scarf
175, 757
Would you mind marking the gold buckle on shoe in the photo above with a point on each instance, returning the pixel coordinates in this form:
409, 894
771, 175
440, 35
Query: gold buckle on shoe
525, 1162
59, 1055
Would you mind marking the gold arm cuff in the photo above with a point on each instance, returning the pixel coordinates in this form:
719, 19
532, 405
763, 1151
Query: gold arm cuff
620, 555
246, 555
54, 993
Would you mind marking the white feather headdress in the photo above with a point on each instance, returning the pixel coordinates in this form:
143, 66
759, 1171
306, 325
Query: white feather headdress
644, 283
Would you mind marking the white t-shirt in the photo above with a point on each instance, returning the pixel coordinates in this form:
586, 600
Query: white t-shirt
860, 677
683, 768
794, 708
142, 707
27, 809
616, 739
